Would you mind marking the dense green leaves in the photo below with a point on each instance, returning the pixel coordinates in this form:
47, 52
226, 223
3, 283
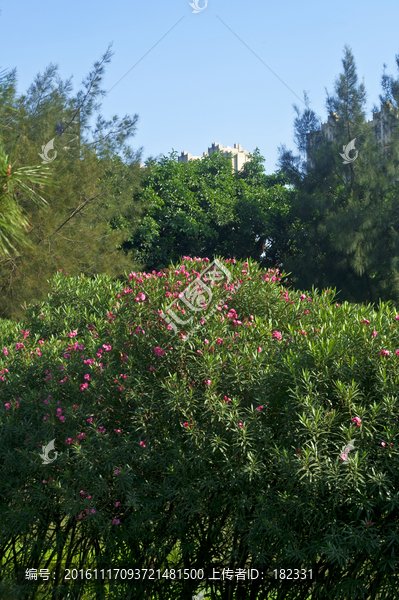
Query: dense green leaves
90, 182
201, 207
343, 230
219, 447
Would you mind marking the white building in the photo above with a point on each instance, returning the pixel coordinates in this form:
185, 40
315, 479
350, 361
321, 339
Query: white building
238, 159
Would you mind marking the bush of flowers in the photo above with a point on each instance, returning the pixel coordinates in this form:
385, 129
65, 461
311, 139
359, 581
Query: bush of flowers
238, 429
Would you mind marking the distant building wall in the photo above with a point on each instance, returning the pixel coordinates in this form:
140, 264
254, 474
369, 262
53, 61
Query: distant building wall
238, 160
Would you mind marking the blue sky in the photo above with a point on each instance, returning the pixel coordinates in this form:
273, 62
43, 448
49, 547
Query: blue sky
200, 84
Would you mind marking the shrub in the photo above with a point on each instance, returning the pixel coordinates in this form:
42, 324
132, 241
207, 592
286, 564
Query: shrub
265, 439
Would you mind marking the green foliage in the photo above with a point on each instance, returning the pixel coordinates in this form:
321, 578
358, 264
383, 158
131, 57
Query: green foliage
343, 230
202, 207
221, 443
90, 183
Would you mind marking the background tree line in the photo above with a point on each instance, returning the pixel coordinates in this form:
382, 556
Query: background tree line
94, 210
62, 211
343, 229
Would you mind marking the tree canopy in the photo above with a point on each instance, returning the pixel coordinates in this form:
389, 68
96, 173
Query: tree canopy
344, 227
202, 207
91, 181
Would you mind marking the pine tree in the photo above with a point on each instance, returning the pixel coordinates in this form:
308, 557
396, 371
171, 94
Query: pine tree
94, 177
346, 216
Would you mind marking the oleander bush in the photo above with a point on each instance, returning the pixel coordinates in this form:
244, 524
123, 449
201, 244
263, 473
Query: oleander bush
245, 427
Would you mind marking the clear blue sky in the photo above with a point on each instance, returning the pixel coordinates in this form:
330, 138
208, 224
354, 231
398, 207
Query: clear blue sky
201, 84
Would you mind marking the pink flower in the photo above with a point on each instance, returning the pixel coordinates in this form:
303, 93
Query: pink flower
152, 368
83, 386
62, 419
116, 521
117, 430
186, 424
7, 405
89, 420
374, 333
82, 492
239, 424
81, 436
20, 345
343, 456
93, 511
159, 351
226, 399
5, 351
87, 511
259, 407
117, 504
142, 444
89, 497
107, 348
44, 481
117, 471
208, 381
199, 352
219, 341
73, 333
80, 516
357, 421
206, 341
259, 349
383, 444
276, 335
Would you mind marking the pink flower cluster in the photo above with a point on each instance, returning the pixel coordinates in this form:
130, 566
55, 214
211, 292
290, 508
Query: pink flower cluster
60, 415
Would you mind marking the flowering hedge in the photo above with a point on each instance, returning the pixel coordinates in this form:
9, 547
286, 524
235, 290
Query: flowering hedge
264, 436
